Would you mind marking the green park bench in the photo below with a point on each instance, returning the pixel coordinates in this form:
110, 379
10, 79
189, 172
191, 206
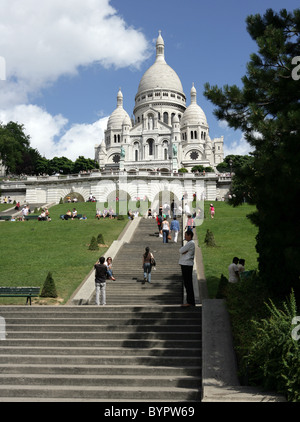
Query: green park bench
5, 217
31, 217
28, 292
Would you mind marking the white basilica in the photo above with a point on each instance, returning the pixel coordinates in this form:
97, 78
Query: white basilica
164, 134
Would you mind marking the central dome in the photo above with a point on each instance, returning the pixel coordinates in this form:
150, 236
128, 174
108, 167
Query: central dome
160, 75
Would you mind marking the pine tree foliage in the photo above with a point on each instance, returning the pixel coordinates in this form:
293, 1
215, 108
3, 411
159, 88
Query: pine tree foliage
49, 289
209, 239
94, 244
267, 110
100, 239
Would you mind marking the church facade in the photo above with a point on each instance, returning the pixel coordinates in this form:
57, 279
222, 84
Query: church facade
164, 133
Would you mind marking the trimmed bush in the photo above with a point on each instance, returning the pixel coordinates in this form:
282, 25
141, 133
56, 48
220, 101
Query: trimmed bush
209, 239
100, 239
94, 244
49, 289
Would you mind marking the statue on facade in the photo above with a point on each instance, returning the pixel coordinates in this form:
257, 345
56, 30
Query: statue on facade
174, 150
122, 152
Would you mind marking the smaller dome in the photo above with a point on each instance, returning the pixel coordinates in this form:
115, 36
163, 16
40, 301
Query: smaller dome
127, 121
117, 117
193, 115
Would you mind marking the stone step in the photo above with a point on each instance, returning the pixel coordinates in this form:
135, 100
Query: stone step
173, 337
61, 359
98, 393
102, 343
103, 321
139, 370
101, 380
100, 352
103, 328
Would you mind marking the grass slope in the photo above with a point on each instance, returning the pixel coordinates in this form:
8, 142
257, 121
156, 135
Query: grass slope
30, 249
234, 236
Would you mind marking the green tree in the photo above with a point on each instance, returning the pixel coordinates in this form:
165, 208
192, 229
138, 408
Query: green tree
41, 166
267, 110
84, 164
61, 165
13, 144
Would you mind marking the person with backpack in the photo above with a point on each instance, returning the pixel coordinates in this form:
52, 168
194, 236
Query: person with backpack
159, 223
100, 281
148, 263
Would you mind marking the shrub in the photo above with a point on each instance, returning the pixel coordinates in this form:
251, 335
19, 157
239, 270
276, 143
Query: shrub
274, 356
94, 244
209, 239
100, 239
49, 289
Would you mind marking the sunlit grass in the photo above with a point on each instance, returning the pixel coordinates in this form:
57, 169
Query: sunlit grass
234, 236
32, 248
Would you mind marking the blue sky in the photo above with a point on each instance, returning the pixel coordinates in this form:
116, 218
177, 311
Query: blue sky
65, 61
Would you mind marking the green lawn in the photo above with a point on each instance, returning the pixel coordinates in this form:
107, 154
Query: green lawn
30, 249
234, 236
4, 207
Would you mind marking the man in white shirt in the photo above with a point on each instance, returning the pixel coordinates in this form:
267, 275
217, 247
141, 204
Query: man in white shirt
186, 261
233, 270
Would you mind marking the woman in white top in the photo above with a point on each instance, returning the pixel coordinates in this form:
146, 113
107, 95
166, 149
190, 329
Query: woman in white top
165, 229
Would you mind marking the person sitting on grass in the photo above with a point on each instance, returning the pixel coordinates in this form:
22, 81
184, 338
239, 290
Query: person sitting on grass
98, 214
67, 215
74, 213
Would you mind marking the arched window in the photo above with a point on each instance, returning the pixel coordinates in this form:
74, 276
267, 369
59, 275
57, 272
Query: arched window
151, 149
192, 134
115, 138
136, 151
195, 135
165, 154
166, 118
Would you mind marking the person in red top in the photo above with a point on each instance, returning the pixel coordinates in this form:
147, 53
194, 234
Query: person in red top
212, 210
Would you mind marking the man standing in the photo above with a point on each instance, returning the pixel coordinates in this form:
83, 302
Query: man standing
186, 261
175, 228
100, 281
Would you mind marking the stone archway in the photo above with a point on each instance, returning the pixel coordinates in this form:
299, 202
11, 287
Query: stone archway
73, 197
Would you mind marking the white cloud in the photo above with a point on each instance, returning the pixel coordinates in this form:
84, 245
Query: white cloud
52, 136
240, 147
223, 124
81, 140
41, 41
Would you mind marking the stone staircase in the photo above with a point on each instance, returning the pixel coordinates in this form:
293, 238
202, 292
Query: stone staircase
166, 283
110, 353
142, 346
